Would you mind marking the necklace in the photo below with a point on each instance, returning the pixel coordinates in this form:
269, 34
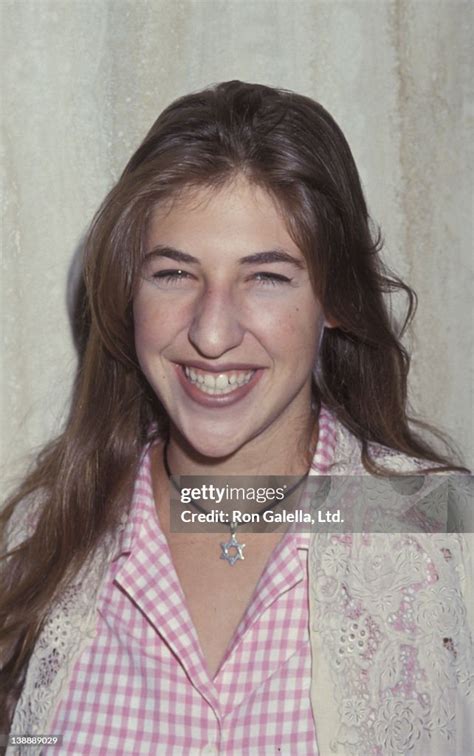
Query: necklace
232, 550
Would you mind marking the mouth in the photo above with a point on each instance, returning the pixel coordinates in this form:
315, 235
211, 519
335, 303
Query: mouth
217, 388
217, 384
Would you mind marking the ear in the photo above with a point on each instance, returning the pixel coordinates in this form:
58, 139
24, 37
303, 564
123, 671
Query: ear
330, 323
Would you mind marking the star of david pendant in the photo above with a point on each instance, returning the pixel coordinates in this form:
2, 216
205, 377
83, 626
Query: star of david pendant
232, 551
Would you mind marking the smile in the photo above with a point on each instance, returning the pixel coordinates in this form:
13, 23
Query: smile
218, 384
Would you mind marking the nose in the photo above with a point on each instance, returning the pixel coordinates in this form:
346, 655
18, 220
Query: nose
216, 323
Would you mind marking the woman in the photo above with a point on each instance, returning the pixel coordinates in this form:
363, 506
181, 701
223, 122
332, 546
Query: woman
235, 326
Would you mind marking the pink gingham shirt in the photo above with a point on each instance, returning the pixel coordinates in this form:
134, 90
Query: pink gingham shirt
142, 687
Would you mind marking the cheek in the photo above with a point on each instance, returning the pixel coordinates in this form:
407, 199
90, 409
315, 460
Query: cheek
151, 335
295, 334
155, 325
145, 327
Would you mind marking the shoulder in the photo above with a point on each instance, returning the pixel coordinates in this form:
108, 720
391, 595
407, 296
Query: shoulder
348, 455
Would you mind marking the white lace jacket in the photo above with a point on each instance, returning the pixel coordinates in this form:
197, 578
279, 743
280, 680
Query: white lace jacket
389, 630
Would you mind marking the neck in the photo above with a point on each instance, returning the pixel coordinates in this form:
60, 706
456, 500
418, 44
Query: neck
288, 453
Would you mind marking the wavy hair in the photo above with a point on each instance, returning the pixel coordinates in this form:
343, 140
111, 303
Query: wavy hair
81, 483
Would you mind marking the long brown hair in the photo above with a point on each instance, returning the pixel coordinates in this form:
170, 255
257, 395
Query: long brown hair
289, 145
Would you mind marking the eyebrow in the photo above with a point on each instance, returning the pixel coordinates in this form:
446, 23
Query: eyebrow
258, 258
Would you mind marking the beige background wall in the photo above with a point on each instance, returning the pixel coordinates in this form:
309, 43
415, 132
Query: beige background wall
84, 79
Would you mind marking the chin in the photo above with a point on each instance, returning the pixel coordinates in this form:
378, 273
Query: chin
214, 445
213, 449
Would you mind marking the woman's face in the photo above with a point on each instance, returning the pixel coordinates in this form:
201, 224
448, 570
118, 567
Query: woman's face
226, 322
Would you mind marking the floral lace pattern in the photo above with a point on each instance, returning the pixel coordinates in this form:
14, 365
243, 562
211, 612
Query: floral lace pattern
389, 610
68, 628
390, 615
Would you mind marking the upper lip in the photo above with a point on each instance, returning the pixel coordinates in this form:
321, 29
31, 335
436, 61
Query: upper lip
224, 368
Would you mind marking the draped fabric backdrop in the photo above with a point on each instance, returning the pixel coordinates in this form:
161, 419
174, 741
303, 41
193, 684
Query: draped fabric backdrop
84, 79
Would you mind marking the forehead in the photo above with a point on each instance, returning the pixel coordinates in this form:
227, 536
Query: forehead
238, 216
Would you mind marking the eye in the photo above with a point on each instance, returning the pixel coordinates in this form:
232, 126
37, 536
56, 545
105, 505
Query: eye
172, 277
271, 279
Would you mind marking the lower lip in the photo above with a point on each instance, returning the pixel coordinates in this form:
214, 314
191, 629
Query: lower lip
207, 400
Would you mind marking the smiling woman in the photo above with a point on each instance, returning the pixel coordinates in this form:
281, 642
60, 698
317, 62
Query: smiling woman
228, 340
238, 326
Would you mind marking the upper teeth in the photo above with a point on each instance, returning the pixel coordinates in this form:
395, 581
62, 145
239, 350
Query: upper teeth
218, 383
